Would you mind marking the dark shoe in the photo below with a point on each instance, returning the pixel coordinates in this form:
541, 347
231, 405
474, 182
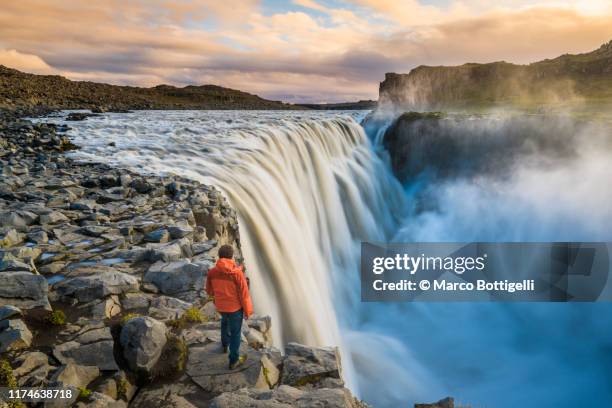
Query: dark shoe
238, 363
224, 349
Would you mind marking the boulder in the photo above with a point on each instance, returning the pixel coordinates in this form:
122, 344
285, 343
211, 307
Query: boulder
167, 308
176, 278
308, 365
96, 286
74, 375
32, 369
24, 290
14, 335
91, 347
165, 252
143, 339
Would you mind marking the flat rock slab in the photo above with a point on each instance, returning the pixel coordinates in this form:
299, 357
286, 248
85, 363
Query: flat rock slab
287, 397
98, 354
24, 290
208, 367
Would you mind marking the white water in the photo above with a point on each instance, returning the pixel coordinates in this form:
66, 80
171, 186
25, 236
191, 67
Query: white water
307, 189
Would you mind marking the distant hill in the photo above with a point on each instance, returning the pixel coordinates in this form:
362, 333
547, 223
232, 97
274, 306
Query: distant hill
568, 79
19, 90
359, 105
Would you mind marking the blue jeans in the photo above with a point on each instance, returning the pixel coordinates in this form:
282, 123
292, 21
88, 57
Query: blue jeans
231, 325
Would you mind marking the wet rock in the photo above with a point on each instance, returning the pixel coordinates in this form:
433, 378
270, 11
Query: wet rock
14, 335
308, 365
24, 290
176, 278
91, 287
143, 339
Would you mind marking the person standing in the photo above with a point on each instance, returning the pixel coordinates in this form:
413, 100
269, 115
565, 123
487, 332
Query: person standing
226, 283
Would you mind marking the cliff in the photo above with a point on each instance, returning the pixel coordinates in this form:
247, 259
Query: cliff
101, 290
562, 80
19, 90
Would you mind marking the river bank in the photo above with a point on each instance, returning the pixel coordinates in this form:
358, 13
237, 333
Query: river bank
101, 288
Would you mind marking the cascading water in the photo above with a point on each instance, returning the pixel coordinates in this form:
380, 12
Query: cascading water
307, 191
308, 187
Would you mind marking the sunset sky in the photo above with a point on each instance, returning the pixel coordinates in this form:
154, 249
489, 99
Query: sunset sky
296, 51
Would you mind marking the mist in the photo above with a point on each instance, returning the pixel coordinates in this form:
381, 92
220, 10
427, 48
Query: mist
502, 178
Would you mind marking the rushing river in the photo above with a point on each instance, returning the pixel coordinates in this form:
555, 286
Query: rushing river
308, 187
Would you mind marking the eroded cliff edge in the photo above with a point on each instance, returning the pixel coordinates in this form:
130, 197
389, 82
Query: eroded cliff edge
101, 275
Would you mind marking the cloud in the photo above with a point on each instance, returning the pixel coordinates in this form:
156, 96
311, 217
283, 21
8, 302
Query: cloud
309, 50
24, 62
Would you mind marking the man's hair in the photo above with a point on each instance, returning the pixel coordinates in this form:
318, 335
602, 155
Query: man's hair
226, 251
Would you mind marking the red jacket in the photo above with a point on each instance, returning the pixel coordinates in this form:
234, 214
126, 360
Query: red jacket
227, 283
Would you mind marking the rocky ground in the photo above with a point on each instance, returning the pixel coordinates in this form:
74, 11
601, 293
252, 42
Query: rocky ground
101, 276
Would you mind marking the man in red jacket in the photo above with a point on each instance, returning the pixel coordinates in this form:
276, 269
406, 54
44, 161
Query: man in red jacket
227, 284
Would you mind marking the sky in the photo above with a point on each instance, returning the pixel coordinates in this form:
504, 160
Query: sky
293, 50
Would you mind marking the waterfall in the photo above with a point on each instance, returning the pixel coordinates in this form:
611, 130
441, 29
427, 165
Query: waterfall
307, 191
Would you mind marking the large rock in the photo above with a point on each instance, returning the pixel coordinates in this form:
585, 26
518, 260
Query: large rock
143, 339
168, 308
24, 290
91, 347
308, 365
208, 367
74, 375
97, 286
176, 278
287, 397
32, 369
14, 335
